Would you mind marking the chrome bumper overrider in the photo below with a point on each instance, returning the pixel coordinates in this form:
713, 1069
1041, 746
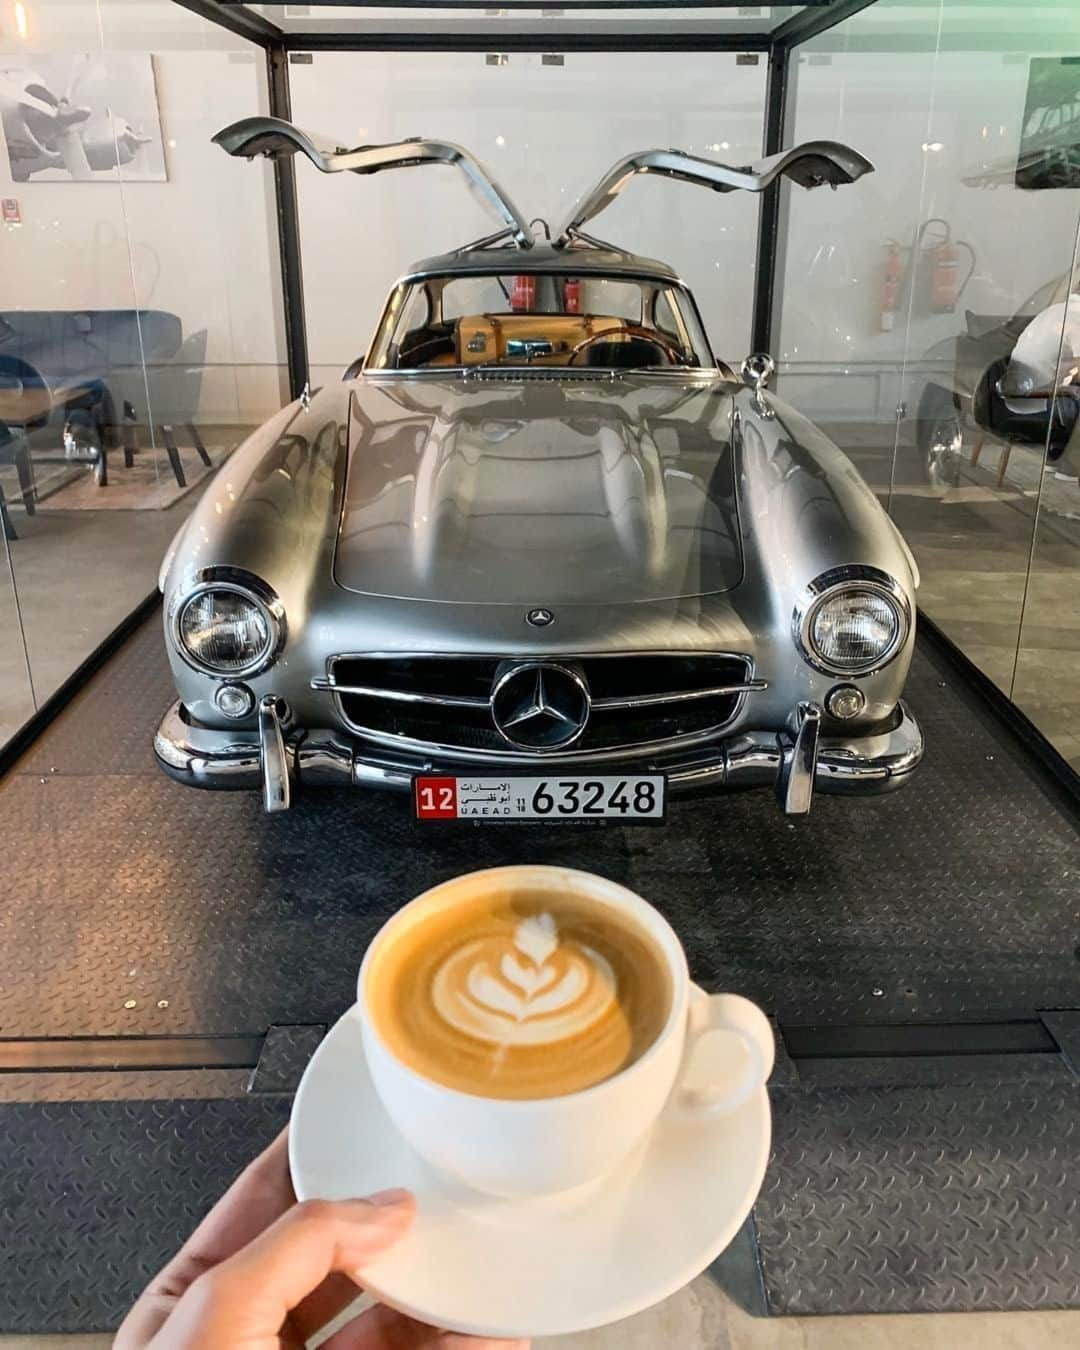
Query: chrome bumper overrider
280, 759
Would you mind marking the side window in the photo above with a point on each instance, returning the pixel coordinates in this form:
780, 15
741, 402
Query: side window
411, 336
666, 318
416, 313
475, 295
612, 298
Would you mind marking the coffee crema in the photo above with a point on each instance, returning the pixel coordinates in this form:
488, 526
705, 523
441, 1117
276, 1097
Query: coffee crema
525, 994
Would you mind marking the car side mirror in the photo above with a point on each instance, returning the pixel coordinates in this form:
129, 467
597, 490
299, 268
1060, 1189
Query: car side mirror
757, 370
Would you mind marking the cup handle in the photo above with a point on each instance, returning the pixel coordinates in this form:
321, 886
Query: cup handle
729, 1054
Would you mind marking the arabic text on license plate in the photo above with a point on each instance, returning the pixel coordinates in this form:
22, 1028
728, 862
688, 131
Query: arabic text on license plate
634, 797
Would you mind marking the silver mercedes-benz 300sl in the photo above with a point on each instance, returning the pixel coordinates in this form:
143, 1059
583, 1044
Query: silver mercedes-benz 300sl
540, 554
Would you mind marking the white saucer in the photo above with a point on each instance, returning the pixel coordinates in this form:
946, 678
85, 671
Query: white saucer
474, 1263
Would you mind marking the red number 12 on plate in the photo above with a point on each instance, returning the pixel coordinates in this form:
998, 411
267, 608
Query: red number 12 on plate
436, 798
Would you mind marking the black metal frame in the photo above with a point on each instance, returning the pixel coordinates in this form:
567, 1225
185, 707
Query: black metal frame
765, 270
569, 36
288, 226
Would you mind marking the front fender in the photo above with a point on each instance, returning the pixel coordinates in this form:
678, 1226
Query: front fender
804, 509
272, 510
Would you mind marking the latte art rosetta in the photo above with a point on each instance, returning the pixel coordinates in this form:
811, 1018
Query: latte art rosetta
534, 990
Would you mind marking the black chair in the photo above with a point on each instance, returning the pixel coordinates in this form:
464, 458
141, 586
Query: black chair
1050, 426
175, 388
25, 403
15, 450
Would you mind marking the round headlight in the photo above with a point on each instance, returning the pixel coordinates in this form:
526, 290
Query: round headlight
852, 626
226, 630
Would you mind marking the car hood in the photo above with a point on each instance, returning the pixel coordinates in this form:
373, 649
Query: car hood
539, 489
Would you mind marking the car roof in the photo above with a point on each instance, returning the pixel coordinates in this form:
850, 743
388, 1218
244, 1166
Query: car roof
578, 259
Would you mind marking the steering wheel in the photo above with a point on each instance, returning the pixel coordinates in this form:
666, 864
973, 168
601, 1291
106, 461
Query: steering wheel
631, 330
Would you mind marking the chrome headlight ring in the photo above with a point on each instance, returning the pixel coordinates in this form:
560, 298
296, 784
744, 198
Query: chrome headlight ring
851, 579
251, 588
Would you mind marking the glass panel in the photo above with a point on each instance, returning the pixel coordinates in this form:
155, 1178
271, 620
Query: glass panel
140, 295
905, 296
547, 133
204, 272
731, 19
1046, 685
66, 306
839, 356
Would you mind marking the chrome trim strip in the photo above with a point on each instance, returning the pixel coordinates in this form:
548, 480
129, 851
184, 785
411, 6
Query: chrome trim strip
679, 696
401, 655
466, 754
398, 695
852, 577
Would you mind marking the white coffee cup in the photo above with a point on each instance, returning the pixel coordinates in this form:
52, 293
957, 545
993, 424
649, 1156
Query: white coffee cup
712, 1054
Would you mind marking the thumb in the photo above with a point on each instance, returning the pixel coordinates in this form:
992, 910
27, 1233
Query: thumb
311, 1240
252, 1293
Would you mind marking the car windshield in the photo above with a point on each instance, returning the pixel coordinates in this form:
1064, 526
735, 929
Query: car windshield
540, 318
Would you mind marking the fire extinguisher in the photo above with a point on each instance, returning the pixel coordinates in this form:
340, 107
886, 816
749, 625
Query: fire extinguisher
890, 286
944, 278
940, 266
572, 296
523, 293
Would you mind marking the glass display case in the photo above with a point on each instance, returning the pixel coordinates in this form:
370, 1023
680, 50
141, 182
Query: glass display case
140, 334
160, 299
928, 321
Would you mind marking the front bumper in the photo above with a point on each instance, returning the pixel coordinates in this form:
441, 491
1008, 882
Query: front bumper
280, 759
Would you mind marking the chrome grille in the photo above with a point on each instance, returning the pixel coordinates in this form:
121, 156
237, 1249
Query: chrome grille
442, 702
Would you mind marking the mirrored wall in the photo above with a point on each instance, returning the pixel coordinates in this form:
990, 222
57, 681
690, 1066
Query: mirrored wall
140, 335
929, 320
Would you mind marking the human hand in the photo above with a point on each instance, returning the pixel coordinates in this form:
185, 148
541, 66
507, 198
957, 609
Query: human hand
266, 1273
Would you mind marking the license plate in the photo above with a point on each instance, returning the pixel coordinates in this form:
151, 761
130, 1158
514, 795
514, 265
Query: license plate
634, 798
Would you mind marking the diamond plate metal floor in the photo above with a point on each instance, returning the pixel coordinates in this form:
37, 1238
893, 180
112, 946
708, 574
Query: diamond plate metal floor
922, 1200
955, 897
131, 906
96, 1195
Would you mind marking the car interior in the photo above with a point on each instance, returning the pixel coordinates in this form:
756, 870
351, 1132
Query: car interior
539, 319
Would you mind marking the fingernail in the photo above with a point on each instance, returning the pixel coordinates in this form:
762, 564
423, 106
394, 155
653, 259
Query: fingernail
397, 1195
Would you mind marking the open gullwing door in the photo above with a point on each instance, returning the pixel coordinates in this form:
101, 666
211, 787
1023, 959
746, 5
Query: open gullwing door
273, 137
811, 165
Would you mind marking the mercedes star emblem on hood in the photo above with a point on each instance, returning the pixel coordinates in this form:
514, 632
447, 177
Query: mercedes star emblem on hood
540, 706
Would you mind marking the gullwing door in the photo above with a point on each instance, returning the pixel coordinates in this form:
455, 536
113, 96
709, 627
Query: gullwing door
810, 165
273, 137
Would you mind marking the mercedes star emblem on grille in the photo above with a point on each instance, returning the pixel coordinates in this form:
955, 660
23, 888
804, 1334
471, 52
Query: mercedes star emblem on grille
540, 706
539, 618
